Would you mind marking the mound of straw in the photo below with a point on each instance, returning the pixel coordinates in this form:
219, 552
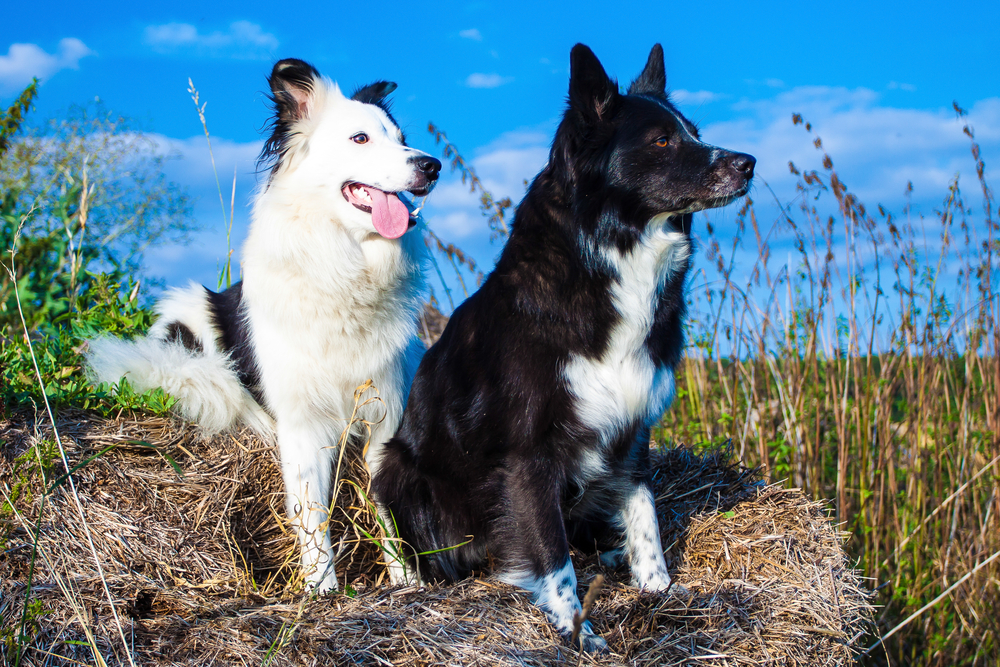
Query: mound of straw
200, 566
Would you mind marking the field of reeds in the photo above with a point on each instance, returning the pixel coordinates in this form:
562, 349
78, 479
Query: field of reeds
863, 370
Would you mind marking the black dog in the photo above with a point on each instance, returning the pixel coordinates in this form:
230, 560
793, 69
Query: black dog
527, 426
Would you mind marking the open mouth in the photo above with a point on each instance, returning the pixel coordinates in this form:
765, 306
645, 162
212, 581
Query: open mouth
390, 214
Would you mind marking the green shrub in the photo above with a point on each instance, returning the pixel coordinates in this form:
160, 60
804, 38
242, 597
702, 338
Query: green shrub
64, 193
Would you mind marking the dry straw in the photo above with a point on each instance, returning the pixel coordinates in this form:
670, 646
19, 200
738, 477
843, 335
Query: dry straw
201, 568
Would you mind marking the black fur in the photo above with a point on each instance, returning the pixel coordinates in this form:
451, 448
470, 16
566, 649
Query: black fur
290, 81
229, 318
233, 335
377, 93
180, 333
492, 446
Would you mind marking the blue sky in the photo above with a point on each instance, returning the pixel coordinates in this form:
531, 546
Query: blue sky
876, 79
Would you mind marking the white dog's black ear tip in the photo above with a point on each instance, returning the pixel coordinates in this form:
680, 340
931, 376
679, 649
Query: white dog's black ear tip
292, 71
374, 93
292, 82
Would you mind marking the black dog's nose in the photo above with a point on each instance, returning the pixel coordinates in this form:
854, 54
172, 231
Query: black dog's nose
744, 164
430, 166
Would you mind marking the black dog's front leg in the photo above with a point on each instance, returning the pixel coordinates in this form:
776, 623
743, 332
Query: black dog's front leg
537, 552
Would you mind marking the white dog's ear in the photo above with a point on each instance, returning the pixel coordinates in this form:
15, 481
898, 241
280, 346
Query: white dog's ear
653, 80
374, 93
292, 84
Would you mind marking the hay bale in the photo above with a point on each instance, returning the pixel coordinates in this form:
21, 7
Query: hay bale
201, 568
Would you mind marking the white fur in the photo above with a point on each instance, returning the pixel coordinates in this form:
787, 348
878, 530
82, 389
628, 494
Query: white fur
642, 540
187, 305
624, 384
329, 304
206, 387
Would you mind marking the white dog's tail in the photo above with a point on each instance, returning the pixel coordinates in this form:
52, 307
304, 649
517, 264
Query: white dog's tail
204, 380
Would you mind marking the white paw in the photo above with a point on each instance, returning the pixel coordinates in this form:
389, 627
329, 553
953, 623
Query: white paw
655, 580
322, 582
401, 574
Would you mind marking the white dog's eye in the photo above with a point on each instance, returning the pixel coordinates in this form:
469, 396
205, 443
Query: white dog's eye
360, 138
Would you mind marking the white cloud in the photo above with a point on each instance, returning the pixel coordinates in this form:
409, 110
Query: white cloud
694, 97
774, 83
876, 149
242, 40
194, 164
24, 61
895, 85
478, 80
471, 33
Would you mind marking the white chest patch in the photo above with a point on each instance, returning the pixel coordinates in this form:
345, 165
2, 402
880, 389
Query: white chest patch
624, 384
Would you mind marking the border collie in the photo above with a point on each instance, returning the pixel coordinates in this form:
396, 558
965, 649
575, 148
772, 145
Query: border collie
332, 285
527, 427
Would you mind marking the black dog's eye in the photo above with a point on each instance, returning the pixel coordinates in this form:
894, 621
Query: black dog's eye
662, 142
360, 138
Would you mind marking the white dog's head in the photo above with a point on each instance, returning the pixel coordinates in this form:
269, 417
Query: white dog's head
345, 155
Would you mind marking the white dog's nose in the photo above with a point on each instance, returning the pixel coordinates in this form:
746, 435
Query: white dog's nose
429, 166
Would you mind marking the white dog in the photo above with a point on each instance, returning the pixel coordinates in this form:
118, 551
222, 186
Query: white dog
332, 286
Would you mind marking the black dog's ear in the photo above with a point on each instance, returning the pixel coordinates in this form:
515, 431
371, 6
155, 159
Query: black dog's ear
591, 92
653, 80
374, 93
292, 83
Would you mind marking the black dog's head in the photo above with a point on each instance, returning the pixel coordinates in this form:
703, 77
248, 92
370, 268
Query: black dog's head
636, 153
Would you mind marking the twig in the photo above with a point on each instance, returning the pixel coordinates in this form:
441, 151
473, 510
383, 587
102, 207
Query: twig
72, 597
580, 617
226, 275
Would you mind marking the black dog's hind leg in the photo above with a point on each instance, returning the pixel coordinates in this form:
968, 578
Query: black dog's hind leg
425, 519
538, 552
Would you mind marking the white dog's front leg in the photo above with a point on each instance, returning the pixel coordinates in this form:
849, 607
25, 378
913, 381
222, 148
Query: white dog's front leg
401, 572
307, 455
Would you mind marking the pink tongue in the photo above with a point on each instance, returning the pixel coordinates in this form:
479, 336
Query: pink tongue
389, 214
